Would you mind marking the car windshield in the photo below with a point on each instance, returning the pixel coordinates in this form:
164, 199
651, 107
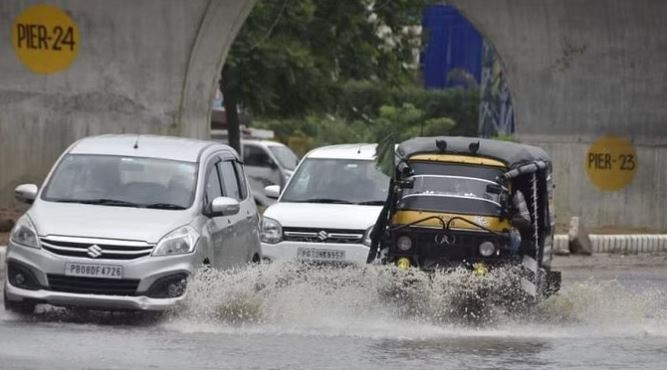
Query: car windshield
123, 181
285, 156
341, 181
458, 186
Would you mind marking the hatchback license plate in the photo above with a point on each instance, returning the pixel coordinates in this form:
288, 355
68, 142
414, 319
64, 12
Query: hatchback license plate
98, 271
320, 254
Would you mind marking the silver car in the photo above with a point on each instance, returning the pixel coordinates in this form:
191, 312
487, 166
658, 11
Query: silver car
122, 221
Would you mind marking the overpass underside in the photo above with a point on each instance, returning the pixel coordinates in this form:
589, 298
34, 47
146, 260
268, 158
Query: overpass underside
578, 71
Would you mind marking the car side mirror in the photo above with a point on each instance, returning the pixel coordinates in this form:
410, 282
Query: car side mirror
224, 206
26, 193
494, 189
272, 191
406, 183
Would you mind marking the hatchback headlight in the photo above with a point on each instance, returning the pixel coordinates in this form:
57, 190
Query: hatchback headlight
180, 241
367, 236
24, 233
272, 232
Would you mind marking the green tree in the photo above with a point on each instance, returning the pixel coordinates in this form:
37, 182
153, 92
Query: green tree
397, 124
291, 57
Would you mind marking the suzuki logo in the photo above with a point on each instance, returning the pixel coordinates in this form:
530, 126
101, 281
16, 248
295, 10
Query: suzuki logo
322, 235
94, 251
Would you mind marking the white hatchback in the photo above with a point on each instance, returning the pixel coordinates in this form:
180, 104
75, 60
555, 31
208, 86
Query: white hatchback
328, 208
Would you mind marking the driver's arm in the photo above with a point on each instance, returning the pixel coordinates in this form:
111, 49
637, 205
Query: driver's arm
520, 213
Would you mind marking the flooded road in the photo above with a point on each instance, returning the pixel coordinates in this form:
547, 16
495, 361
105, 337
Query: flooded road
612, 313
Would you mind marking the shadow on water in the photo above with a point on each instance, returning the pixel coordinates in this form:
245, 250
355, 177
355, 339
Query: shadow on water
50, 314
479, 351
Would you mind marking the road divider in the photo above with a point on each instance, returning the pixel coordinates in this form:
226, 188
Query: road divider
618, 243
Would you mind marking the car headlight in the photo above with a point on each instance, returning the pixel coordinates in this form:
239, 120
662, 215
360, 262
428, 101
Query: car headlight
367, 236
180, 241
404, 243
24, 233
272, 232
486, 249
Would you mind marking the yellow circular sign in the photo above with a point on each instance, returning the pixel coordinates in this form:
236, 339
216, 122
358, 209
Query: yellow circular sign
611, 163
45, 39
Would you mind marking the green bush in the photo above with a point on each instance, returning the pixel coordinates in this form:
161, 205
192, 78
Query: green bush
370, 112
361, 99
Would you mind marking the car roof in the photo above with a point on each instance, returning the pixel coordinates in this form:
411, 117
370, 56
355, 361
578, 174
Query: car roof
345, 151
148, 146
261, 142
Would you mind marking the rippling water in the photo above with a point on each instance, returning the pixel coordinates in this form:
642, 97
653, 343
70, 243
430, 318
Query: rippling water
294, 316
383, 302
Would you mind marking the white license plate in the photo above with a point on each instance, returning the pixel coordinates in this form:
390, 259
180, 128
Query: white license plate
320, 254
91, 270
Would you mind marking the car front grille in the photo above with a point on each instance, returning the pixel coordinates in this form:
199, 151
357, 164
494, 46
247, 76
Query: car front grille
86, 285
313, 235
96, 248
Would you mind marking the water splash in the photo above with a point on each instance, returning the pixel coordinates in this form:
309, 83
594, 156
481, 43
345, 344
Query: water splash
383, 302
292, 298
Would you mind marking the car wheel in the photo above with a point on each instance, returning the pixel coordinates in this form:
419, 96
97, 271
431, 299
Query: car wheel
26, 308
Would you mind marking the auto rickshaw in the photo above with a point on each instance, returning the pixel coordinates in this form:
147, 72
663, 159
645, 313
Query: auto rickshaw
451, 204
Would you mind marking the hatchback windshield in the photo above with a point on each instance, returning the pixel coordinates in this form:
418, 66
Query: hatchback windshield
123, 181
337, 181
285, 156
453, 186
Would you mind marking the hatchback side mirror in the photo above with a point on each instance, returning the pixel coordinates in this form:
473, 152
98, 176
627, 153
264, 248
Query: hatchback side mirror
26, 193
224, 206
272, 191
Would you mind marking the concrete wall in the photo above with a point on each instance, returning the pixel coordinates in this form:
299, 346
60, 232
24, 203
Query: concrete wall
579, 70
148, 66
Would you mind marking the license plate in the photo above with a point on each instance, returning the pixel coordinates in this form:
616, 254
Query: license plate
90, 270
320, 254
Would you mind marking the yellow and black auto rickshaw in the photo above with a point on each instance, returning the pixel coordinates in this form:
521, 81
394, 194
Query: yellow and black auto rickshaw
457, 202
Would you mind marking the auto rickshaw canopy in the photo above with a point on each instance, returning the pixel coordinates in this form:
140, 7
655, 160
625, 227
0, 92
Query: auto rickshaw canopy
513, 155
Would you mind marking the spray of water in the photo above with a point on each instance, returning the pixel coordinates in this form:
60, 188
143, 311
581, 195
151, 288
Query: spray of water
382, 301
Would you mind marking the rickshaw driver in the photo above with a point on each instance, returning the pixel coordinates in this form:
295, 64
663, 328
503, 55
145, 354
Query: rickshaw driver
520, 219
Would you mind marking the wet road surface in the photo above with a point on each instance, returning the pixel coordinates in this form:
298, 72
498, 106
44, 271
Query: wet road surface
611, 313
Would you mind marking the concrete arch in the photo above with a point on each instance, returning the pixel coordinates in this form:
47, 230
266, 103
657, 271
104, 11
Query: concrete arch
580, 70
208, 55
148, 66
577, 69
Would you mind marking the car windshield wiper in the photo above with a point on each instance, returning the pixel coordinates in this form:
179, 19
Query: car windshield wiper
324, 200
104, 201
163, 206
111, 202
371, 203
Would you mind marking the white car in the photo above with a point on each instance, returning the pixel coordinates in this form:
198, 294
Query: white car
122, 221
267, 163
328, 208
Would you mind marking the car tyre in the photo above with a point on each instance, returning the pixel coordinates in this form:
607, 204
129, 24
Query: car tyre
23, 307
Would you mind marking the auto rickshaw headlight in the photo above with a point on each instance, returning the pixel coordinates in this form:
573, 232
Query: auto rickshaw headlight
404, 243
486, 249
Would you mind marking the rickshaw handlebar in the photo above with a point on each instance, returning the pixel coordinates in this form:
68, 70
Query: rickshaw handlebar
447, 225
526, 168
